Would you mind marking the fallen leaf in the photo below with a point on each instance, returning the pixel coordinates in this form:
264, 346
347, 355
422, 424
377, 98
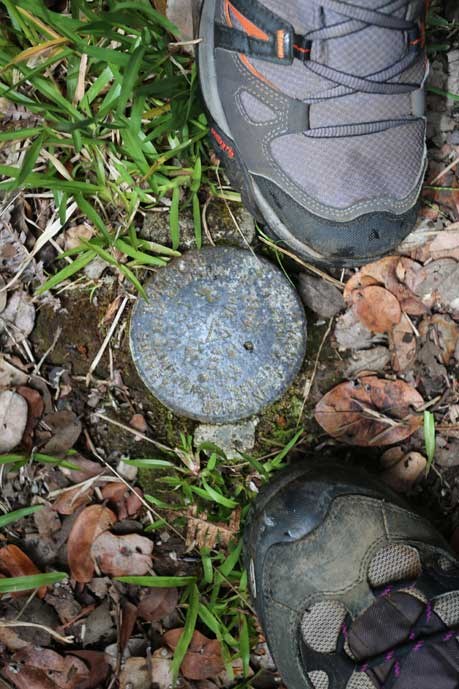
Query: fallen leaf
402, 341
443, 332
13, 420
18, 319
206, 534
40, 668
15, 563
135, 674
439, 286
129, 614
86, 469
158, 604
89, 524
74, 235
203, 658
402, 475
122, 555
445, 244
70, 500
98, 668
126, 501
397, 275
370, 411
367, 361
376, 308
65, 428
162, 675
11, 376
351, 334
35, 406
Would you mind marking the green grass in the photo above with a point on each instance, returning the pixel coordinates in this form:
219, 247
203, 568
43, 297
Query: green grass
110, 119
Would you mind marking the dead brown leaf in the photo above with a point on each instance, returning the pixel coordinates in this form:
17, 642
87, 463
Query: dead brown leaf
402, 342
158, 604
376, 308
396, 274
74, 235
444, 245
161, 668
15, 563
370, 411
42, 668
206, 534
86, 469
70, 500
10, 376
203, 659
439, 286
120, 556
443, 332
98, 668
90, 523
64, 428
36, 408
124, 500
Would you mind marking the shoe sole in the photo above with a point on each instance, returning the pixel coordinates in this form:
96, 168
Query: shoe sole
238, 173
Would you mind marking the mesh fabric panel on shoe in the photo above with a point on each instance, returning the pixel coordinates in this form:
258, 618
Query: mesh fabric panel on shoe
384, 164
360, 681
255, 109
319, 679
394, 563
321, 625
447, 608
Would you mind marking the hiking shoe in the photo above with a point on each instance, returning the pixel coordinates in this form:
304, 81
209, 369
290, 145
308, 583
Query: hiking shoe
352, 589
317, 109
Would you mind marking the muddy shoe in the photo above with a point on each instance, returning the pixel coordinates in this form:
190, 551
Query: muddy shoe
318, 113
353, 590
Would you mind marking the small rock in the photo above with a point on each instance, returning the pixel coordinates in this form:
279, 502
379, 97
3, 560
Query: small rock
95, 269
127, 471
405, 473
231, 438
320, 296
138, 423
13, 419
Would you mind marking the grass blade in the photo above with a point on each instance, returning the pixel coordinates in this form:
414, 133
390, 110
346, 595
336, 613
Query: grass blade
27, 583
188, 631
18, 514
158, 582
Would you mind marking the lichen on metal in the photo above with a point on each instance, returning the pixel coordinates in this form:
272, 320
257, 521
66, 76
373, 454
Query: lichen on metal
222, 335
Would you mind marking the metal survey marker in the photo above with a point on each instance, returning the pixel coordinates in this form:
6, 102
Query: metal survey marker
222, 335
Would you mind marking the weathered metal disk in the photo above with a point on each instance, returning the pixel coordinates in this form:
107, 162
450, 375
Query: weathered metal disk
222, 335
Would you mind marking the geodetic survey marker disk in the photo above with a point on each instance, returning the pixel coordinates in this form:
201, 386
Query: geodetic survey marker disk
222, 335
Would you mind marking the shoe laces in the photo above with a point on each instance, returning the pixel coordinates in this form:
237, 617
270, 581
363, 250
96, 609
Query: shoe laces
360, 18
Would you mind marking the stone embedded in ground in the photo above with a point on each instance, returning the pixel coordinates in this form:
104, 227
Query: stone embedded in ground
320, 296
231, 438
236, 228
222, 335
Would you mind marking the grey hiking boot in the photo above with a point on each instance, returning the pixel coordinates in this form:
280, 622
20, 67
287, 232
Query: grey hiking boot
353, 589
317, 109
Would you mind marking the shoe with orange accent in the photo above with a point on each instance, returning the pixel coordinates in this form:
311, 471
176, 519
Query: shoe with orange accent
318, 110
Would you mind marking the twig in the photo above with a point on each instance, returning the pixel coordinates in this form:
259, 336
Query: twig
310, 381
38, 366
107, 339
128, 485
132, 431
308, 266
62, 639
444, 172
